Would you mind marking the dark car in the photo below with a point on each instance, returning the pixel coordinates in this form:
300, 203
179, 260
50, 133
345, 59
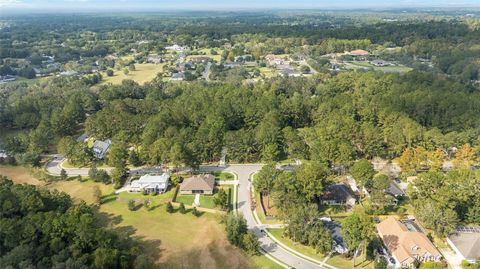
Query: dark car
381, 251
392, 260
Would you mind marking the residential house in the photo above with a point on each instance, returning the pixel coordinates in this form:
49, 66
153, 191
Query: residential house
155, 59
465, 241
338, 194
7, 78
150, 184
379, 63
100, 148
178, 76
407, 246
200, 59
68, 73
177, 48
395, 191
274, 60
82, 138
201, 184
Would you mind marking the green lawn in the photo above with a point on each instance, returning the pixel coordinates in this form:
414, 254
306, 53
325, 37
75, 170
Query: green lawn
223, 176
306, 250
334, 211
386, 69
342, 262
206, 201
143, 73
262, 262
186, 199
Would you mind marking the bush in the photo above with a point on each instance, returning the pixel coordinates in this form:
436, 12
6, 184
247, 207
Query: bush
182, 208
195, 212
131, 205
110, 72
169, 207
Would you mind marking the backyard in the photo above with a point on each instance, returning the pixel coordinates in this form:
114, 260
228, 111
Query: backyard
143, 73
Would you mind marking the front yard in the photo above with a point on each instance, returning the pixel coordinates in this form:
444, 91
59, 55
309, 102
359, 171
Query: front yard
207, 201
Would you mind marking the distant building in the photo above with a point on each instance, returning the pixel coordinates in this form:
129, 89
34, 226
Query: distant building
177, 48
155, 59
70, 73
100, 148
150, 184
379, 63
274, 60
82, 138
7, 78
200, 59
466, 243
198, 184
406, 246
394, 190
178, 76
338, 194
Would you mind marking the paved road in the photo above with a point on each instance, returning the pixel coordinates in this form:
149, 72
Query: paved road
206, 73
243, 171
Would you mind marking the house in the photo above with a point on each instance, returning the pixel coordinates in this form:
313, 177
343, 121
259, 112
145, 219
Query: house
68, 73
100, 148
465, 241
176, 48
150, 184
7, 78
201, 184
200, 59
275, 60
178, 76
82, 138
395, 191
358, 53
338, 194
155, 59
407, 246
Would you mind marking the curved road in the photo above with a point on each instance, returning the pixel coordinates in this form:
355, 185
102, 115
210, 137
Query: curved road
243, 171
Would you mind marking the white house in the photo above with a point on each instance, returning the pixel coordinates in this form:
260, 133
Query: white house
176, 48
149, 184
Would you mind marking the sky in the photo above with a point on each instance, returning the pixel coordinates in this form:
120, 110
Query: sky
158, 5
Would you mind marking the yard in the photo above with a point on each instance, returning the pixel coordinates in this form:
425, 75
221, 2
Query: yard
223, 176
206, 201
386, 69
176, 240
143, 73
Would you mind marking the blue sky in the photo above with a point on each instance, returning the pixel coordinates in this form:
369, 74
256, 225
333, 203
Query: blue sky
153, 5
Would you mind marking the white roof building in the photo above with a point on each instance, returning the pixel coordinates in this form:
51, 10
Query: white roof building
150, 183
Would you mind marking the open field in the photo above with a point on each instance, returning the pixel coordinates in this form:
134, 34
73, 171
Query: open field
386, 69
20, 175
176, 240
143, 73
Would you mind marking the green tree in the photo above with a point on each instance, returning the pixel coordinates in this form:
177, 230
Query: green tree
236, 227
117, 155
265, 179
221, 199
181, 208
357, 229
250, 244
131, 205
312, 178
169, 207
363, 173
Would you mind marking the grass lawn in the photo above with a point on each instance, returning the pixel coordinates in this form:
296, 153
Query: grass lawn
186, 199
267, 72
386, 69
20, 175
206, 201
223, 176
143, 73
334, 211
306, 250
342, 262
262, 262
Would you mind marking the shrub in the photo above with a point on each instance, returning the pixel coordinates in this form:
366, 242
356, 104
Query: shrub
169, 207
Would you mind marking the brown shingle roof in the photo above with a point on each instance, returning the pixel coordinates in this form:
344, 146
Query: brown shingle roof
402, 243
198, 182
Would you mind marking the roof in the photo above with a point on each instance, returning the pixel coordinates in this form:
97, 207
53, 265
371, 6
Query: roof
147, 180
337, 192
198, 182
402, 243
395, 190
467, 241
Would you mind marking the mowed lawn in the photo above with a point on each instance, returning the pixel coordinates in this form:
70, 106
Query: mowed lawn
143, 73
175, 240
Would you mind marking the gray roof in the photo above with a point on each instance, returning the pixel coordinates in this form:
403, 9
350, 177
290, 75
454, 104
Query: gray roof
467, 242
100, 147
337, 192
394, 190
198, 182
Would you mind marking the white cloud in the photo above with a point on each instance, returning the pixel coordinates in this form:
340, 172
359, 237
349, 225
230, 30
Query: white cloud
4, 3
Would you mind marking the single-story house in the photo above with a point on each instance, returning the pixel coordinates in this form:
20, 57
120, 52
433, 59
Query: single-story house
201, 184
465, 241
178, 76
100, 148
154, 58
150, 183
338, 194
406, 246
379, 63
395, 191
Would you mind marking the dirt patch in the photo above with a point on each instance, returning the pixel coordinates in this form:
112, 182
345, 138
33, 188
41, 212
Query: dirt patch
20, 175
